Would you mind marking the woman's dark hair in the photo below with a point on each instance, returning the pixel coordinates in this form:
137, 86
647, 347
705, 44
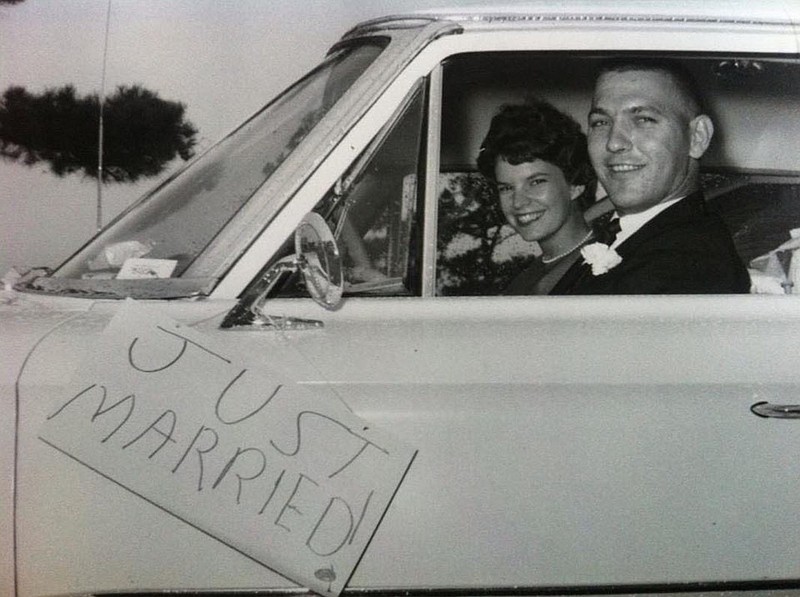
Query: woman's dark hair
536, 130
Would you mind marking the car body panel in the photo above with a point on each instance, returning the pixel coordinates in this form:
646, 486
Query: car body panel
677, 433
565, 444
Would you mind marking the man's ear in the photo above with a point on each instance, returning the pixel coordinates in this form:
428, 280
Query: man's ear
576, 191
701, 129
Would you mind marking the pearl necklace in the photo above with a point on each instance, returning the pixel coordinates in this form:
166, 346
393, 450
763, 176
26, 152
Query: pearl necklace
547, 260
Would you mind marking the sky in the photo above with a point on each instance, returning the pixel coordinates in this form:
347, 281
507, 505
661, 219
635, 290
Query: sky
222, 59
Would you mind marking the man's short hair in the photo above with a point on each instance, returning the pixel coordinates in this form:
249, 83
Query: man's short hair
684, 80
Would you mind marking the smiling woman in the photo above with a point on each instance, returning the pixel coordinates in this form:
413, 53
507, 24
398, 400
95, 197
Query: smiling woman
537, 158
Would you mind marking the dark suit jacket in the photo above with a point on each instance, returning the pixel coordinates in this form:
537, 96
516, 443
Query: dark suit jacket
686, 249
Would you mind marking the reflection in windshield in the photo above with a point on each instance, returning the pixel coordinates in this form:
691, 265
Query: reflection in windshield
163, 234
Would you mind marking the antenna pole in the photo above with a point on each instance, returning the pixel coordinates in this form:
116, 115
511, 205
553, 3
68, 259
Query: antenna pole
99, 222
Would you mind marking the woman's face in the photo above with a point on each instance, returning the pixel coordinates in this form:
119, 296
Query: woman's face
535, 197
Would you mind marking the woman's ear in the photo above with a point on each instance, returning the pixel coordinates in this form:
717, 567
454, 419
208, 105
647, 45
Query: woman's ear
576, 191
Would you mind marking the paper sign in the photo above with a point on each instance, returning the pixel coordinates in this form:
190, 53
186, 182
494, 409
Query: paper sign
136, 268
284, 474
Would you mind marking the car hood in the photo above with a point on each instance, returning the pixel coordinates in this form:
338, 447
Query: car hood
62, 328
25, 320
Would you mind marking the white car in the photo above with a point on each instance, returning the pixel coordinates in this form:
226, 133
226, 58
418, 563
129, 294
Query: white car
575, 445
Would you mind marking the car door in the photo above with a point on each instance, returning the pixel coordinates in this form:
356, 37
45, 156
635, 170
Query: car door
562, 441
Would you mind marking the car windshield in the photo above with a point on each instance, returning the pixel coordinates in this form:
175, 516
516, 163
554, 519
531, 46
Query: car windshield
148, 251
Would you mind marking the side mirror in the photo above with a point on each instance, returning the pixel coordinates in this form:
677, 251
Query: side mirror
316, 258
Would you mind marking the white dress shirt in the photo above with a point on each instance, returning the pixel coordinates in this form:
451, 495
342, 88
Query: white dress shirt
630, 223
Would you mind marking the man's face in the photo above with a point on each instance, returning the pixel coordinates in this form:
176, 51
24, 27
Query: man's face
642, 139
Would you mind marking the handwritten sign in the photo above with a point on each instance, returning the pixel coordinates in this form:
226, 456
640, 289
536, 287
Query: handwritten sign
284, 474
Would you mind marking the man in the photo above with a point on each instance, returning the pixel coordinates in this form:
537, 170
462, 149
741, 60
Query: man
647, 132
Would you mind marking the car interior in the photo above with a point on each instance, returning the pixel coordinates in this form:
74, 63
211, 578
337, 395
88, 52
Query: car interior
751, 173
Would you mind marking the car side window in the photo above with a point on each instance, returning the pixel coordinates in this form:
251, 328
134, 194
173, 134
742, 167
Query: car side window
763, 214
749, 173
374, 215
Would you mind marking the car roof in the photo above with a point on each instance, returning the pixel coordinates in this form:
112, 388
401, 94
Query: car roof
482, 15
772, 10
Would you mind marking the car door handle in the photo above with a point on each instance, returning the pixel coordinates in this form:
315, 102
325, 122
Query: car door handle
776, 411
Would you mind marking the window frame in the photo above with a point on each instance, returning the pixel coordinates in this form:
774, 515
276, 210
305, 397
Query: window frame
432, 151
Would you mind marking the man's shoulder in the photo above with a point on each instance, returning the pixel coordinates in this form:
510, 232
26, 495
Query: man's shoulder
687, 224
684, 249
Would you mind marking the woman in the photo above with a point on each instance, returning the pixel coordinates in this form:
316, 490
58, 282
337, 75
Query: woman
538, 160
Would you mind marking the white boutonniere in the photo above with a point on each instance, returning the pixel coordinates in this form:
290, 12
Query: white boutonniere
601, 257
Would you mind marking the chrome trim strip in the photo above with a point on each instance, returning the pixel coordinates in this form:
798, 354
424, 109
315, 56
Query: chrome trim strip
466, 18
607, 18
431, 192
709, 589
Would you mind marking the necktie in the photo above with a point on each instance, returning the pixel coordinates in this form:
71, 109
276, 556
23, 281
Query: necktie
613, 229
606, 229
